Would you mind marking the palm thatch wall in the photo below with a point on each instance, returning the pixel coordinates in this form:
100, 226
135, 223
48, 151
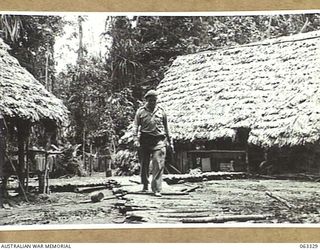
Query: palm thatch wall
271, 87
22, 96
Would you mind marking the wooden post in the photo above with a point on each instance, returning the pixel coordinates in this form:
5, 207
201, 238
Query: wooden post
108, 169
19, 180
105, 163
84, 149
21, 153
97, 160
27, 164
46, 175
41, 182
91, 160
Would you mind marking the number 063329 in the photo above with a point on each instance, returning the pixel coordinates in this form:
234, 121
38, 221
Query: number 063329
309, 246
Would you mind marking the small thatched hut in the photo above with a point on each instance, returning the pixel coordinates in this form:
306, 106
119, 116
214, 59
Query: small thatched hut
258, 98
24, 101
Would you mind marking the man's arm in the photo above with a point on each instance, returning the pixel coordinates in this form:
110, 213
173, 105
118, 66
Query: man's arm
165, 124
136, 124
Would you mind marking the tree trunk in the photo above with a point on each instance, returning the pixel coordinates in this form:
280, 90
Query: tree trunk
46, 68
80, 51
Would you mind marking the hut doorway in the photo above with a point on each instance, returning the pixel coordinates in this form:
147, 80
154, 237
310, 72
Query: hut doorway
222, 154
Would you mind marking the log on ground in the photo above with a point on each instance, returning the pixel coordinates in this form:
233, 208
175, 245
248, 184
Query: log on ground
96, 196
283, 201
88, 189
175, 179
226, 218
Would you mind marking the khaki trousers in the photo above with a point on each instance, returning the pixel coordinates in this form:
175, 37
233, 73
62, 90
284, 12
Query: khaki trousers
157, 157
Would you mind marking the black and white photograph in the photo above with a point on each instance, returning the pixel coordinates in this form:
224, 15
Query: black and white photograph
159, 119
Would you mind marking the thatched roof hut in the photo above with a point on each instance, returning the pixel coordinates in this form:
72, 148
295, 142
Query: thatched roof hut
22, 96
270, 87
24, 101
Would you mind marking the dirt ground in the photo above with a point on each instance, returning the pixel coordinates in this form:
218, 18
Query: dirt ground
60, 208
290, 202
216, 197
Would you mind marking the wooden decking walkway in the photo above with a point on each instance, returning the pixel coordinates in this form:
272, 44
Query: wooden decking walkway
184, 202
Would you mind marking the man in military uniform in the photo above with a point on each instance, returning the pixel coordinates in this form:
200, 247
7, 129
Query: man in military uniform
151, 137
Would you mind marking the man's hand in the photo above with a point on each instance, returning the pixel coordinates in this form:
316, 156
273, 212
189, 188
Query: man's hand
136, 143
170, 144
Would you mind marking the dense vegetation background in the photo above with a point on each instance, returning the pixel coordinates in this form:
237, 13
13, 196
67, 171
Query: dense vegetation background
103, 92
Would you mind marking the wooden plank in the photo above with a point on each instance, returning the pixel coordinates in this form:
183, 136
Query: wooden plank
184, 215
184, 210
217, 151
152, 194
221, 219
190, 189
173, 179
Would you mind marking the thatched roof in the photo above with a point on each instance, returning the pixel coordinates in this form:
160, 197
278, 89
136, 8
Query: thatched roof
22, 96
271, 87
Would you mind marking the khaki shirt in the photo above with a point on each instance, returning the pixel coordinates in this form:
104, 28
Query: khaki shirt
151, 122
